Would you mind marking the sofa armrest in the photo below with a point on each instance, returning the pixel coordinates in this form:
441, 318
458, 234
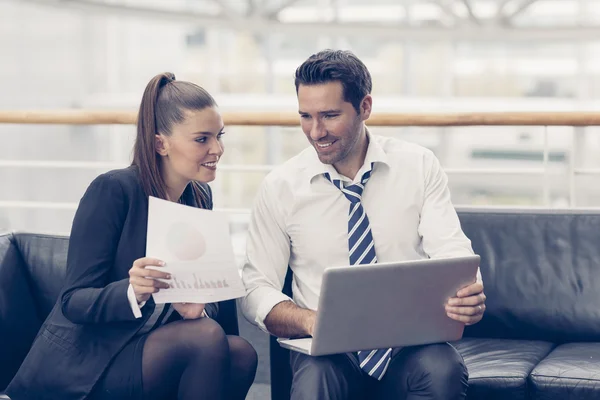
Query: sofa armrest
19, 322
227, 317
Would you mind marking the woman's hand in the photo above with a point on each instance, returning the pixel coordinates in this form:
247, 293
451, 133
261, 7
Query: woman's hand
189, 310
144, 281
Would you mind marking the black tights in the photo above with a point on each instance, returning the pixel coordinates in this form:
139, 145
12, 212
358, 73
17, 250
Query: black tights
194, 359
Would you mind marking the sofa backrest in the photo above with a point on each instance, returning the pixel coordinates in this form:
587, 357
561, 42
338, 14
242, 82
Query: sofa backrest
541, 271
45, 258
25, 299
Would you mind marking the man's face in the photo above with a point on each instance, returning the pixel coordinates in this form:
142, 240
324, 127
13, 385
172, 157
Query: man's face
330, 123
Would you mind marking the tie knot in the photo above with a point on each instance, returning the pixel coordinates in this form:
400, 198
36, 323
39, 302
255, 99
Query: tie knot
352, 192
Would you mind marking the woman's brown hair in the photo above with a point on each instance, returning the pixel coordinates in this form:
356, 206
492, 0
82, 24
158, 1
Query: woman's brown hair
163, 105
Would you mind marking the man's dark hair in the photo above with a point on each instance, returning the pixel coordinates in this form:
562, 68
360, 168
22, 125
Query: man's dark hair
337, 65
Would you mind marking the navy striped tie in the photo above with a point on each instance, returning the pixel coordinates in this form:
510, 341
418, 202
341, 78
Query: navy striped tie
362, 251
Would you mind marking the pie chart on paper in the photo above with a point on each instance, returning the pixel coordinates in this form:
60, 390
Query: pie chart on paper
185, 242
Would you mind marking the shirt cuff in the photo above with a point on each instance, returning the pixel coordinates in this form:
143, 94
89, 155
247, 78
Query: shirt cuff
135, 307
266, 305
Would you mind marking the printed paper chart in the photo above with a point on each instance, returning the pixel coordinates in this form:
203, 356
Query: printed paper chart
196, 247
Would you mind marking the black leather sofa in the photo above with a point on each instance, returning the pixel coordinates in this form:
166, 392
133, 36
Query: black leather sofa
540, 336
32, 269
539, 339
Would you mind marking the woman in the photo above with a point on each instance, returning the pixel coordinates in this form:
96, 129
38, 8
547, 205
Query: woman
105, 337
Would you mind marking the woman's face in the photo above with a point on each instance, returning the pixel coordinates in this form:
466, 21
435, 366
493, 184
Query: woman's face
194, 147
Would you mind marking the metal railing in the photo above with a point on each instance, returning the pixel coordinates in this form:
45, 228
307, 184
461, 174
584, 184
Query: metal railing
544, 119
91, 117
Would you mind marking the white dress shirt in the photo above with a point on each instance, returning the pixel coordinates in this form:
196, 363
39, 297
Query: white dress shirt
300, 219
133, 303
137, 311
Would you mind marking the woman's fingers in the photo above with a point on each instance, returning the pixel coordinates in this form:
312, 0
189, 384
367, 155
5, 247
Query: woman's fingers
145, 261
149, 273
144, 290
143, 282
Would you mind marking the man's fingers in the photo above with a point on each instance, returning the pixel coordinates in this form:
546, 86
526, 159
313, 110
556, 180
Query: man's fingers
468, 301
457, 317
470, 290
465, 319
466, 311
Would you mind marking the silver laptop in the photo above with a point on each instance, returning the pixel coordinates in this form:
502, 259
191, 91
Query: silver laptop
385, 305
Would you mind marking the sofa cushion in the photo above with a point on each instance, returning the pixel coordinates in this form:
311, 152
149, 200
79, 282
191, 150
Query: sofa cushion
541, 270
45, 257
19, 322
498, 368
571, 371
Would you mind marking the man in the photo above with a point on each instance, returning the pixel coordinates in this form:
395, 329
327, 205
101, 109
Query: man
352, 198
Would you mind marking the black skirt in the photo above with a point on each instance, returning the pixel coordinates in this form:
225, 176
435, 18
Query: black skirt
122, 379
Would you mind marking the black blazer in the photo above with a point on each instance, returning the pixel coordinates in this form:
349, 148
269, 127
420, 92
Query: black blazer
92, 319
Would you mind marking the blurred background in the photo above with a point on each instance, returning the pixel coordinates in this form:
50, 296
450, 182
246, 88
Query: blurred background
424, 56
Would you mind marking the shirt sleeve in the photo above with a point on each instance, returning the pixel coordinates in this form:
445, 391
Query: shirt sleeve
135, 307
267, 256
439, 227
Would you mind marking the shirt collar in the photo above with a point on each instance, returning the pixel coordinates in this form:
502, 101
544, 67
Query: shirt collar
375, 154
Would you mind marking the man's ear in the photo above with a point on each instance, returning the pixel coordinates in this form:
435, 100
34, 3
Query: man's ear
365, 107
160, 145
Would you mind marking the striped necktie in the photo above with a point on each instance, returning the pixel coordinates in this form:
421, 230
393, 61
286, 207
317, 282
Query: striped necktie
362, 251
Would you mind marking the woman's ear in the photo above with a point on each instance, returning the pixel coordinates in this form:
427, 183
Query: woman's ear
161, 145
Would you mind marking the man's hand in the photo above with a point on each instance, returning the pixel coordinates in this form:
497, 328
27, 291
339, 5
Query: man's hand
469, 304
309, 323
189, 310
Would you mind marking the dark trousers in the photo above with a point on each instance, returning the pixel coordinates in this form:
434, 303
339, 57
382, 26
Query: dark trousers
415, 373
